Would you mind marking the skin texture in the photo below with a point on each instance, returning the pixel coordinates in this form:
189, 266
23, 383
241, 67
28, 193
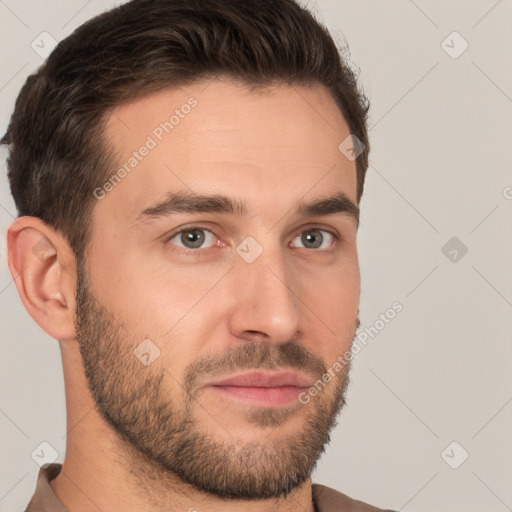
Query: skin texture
156, 437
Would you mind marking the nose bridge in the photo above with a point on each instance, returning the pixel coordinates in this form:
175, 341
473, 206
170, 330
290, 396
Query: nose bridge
266, 301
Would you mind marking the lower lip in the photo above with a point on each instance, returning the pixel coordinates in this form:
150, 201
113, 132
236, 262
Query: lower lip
267, 397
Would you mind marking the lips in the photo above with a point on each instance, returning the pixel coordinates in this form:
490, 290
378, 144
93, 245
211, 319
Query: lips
265, 380
264, 389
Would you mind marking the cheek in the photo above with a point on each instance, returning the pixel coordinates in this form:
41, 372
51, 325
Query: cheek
332, 289
330, 302
183, 298
152, 298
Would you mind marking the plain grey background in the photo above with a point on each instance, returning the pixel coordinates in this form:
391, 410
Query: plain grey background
434, 385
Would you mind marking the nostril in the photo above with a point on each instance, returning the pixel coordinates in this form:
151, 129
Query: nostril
251, 335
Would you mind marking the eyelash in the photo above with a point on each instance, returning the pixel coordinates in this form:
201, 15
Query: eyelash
200, 252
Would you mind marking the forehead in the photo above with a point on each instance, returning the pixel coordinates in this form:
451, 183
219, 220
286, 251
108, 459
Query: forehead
271, 146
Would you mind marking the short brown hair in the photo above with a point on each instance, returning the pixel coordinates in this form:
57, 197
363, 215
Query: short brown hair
58, 155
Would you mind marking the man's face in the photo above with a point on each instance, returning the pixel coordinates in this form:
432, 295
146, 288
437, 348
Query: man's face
172, 304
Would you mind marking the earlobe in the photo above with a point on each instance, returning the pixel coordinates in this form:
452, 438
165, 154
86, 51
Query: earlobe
40, 263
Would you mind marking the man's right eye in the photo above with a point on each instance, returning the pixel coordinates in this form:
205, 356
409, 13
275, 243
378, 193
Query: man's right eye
193, 239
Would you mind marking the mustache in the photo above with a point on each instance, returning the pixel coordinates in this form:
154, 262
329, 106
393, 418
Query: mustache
254, 356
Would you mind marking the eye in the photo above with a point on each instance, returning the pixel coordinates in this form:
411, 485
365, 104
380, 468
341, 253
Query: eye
193, 238
314, 239
196, 240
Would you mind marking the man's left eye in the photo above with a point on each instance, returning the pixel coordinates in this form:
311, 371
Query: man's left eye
314, 239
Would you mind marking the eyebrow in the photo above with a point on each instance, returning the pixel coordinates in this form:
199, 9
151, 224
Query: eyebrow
189, 202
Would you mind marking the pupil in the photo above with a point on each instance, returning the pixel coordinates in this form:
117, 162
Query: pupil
194, 237
308, 238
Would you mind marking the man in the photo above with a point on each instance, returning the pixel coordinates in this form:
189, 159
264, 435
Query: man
187, 177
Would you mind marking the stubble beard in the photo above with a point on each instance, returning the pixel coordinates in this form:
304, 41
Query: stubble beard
168, 439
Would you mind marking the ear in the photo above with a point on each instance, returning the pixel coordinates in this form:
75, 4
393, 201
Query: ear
44, 270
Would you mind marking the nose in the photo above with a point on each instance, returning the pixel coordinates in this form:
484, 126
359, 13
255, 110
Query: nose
266, 303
